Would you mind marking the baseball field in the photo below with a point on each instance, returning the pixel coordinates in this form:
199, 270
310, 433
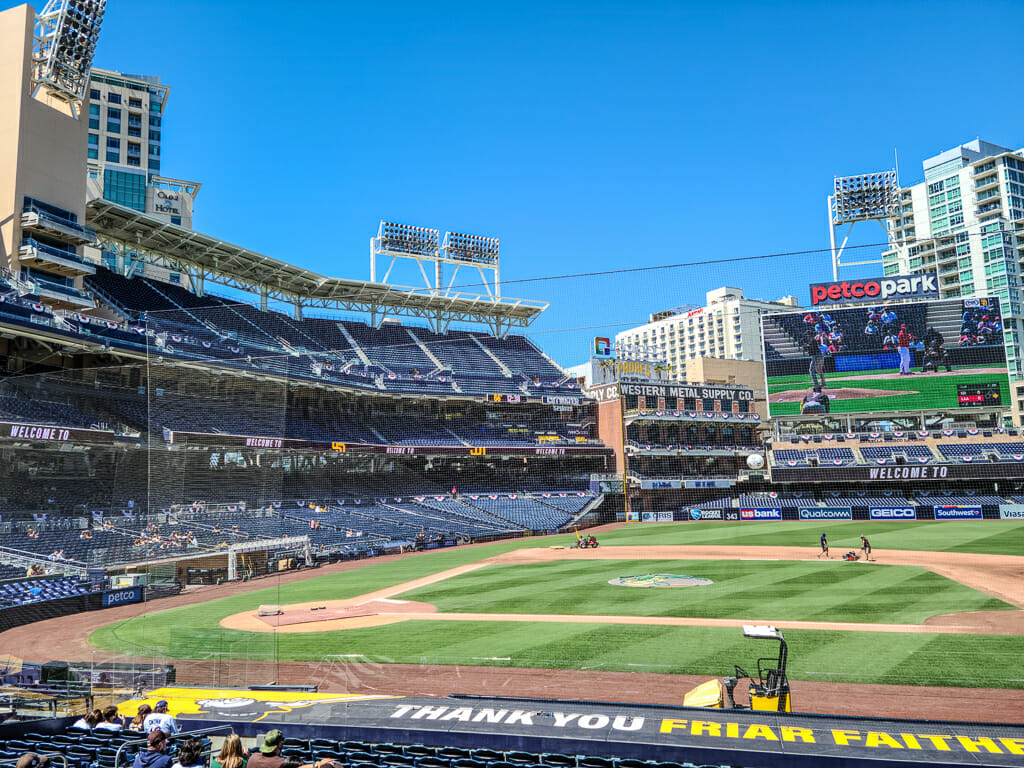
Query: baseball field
883, 390
941, 606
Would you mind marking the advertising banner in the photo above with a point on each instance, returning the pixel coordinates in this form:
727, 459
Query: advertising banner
122, 596
761, 513
632, 516
825, 513
849, 360
892, 513
881, 289
655, 484
710, 483
705, 514
1011, 511
957, 512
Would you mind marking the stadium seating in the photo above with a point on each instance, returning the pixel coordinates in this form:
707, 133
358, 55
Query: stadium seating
391, 357
97, 750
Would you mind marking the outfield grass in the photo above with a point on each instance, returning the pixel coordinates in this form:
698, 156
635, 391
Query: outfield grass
994, 661
933, 391
755, 590
995, 537
823, 591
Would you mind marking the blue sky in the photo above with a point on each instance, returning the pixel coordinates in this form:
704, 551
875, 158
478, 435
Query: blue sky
587, 136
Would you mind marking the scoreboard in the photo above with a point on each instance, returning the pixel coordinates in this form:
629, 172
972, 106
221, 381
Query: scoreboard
984, 395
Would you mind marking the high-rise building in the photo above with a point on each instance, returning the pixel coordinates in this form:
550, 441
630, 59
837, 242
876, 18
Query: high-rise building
965, 221
729, 326
125, 143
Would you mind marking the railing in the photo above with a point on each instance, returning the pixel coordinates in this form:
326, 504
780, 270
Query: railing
61, 221
227, 730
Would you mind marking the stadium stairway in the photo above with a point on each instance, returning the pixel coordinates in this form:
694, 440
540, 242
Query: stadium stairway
780, 340
946, 320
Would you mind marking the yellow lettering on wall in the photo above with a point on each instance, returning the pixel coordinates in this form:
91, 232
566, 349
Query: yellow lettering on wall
878, 738
911, 741
668, 725
700, 727
732, 730
976, 745
843, 738
756, 730
1014, 746
939, 742
790, 733
339, 447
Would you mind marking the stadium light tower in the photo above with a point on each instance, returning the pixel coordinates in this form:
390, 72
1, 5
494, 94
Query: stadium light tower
66, 34
866, 197
424, 246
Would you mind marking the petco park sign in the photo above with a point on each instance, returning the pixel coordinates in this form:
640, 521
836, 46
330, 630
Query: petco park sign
875, 289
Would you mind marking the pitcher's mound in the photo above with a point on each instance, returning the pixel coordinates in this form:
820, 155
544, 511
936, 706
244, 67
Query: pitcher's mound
840, 393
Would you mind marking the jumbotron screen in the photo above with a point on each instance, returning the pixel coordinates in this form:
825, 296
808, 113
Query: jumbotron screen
944, 354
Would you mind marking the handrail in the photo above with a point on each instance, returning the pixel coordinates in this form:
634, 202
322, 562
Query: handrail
172, 737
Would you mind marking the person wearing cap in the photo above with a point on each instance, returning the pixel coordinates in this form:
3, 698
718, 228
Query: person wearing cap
269, 754
153, 755
160, 719
903, 341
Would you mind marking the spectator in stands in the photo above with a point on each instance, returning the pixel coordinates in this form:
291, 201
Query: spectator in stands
139, 721
85, 534
112, 721
153, 756
32, 533
232, 754
889, 320
32, 760
190, 754
269, 755
33, 592
161, 719
89, 721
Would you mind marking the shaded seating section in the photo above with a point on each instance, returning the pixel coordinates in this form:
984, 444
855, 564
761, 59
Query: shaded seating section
954, 450
406, 359
395, 755
960, 500
23, 592
26, 408
889, 451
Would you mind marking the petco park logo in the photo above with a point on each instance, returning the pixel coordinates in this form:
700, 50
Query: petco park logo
880, 288
892, 513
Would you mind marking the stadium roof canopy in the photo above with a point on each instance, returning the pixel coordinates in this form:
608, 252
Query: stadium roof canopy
206, 259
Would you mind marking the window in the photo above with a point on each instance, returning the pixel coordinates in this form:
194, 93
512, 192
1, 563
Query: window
113, 150
94, 109
128, 189
113, 114
94, 140
94, 154
94, 95
135, 103
114, 98
94, 123
154, 121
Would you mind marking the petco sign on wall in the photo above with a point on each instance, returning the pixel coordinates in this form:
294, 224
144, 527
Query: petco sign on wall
875, 289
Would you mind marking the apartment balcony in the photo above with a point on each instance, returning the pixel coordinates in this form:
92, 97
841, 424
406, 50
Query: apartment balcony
66, 263
36, 219
990, 209
987, 182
